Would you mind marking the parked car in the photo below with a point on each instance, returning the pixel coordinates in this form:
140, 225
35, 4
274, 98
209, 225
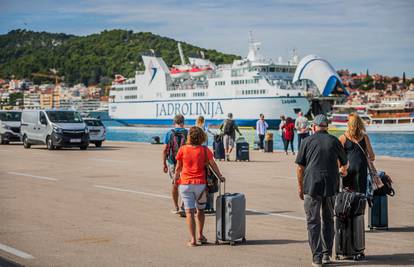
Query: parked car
55, 128
97, 131
10, 126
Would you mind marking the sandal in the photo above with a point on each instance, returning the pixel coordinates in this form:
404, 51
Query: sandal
202, 240
191, 244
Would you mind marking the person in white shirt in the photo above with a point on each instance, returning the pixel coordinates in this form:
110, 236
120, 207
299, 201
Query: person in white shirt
261, 127
301, 125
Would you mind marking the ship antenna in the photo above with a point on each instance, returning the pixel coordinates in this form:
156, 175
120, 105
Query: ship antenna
180, 50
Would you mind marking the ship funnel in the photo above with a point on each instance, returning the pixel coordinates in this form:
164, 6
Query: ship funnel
180, 50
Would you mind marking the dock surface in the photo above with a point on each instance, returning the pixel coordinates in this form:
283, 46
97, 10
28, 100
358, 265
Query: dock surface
111, 207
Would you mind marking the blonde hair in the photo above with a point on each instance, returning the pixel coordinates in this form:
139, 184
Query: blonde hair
356, 127
200, 121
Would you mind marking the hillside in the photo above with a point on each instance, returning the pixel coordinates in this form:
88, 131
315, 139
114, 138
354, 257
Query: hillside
88, 59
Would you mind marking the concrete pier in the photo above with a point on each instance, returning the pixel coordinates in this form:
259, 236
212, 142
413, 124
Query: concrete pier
111, 207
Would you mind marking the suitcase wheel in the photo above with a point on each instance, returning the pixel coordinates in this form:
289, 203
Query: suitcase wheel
337, 258
217, 242
232, 243
244, 241
359, 257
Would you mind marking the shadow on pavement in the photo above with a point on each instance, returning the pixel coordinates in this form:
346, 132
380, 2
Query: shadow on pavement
273, 242
403, 259
250, 212
8, 263
403, 229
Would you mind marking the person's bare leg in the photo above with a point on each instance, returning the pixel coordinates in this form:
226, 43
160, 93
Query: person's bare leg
174, 193
200, 224
191, 225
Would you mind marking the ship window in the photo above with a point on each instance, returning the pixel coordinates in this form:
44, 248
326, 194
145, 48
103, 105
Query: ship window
130, 97
389, 121
272, 69
404, 121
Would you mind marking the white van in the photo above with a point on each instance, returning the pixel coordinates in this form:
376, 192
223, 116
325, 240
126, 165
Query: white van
55, 128
10, 126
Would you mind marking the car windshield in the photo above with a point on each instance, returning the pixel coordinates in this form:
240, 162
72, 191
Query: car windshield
10, 116
64, 116
93, 122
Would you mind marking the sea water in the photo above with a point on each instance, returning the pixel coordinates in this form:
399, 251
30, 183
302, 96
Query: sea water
385, 144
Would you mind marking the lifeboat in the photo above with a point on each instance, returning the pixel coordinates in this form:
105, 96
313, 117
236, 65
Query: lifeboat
177, 73
119, 79
196, 72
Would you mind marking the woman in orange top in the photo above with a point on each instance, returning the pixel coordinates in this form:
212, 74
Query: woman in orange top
190, 175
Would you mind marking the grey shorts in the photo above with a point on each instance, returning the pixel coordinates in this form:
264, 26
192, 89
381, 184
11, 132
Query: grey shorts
228, 141
190, 193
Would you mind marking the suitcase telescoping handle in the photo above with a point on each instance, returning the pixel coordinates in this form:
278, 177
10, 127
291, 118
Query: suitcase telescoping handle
224, 187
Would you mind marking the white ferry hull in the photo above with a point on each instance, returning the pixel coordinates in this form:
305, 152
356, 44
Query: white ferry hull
392, 128
379, 128
245, 110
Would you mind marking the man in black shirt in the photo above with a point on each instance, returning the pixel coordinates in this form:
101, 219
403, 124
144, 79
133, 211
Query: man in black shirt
318, 160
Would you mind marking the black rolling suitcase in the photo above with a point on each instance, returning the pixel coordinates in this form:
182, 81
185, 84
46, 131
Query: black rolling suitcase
268, 146
378, 213
218, 147
242, 150
349, 225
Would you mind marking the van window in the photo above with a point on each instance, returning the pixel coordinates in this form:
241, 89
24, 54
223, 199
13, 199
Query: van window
93, 122
42, 117
64, 116
10, 116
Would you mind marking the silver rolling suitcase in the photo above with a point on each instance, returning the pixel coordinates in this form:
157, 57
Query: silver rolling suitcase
230, 217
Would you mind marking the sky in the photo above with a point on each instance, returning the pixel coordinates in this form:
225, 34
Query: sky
354, 34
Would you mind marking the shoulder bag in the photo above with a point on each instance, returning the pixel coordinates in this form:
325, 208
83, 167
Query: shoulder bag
211, 177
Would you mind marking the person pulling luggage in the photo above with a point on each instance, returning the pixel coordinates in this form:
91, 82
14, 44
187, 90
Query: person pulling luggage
229, 128
190, 174
318, 183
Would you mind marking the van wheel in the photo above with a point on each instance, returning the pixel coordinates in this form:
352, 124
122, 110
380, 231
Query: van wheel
49, 143
83, 147
26, 143
98, 143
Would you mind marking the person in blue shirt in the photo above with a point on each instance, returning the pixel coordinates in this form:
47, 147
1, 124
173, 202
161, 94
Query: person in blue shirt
261, 128
173, 140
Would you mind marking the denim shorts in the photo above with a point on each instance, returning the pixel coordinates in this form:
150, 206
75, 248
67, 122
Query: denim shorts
190, 193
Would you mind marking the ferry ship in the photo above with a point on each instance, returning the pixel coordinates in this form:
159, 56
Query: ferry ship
378, 117
246, 88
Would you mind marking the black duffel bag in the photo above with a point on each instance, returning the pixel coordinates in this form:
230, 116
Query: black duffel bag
387, 188
349, 204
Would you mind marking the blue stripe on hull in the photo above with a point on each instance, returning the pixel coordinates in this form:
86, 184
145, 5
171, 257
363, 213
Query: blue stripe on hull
168, 122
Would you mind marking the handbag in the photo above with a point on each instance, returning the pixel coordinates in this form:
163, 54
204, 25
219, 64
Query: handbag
211, 177
387, 188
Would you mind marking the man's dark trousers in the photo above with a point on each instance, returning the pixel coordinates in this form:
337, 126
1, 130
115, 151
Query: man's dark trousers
320, 234
261, 139
300, 137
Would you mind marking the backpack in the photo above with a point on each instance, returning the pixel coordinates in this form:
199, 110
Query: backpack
177, 139
228, 128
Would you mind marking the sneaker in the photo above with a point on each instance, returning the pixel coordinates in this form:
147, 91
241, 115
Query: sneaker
175, 211
326, 259
317, 263
182, 213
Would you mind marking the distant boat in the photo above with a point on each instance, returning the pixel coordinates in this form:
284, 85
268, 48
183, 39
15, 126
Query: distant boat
378, 118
